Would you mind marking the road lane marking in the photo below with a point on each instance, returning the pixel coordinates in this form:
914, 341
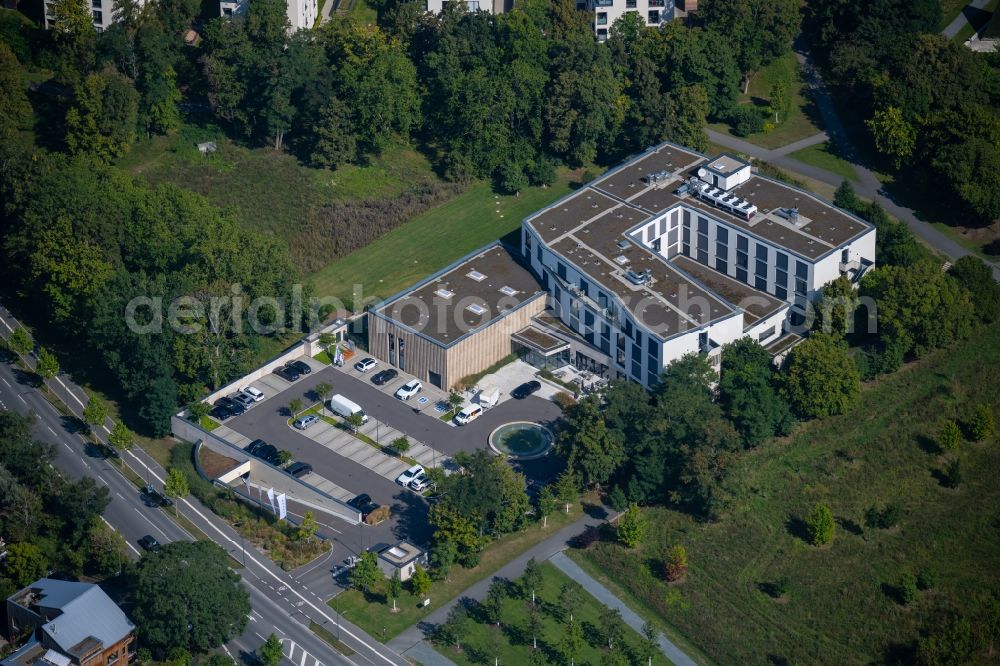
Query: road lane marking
21, 398
6, 382
273, 575
146, 518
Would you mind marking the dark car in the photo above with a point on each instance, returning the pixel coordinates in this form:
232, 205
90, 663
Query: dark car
384, 377
254, 446
360, 501
367, 509
149, 543
220, 412
234, 407
299, 366
267, 452
287, 373
155, 498
299, 469
525, 389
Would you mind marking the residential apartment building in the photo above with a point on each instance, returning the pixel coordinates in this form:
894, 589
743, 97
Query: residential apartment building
101, 11
67, 624
674, 253
606, 12
492, 6
302, 14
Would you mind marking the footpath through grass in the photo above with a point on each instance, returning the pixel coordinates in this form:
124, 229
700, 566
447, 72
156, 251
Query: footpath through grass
821, 155
511, 642
840, 605
432, 240
373, 612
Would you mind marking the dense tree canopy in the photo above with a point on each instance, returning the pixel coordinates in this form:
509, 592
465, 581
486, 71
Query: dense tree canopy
820, 377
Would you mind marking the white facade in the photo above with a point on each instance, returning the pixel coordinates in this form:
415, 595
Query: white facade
776, 261
492, 6
606, 12
301, 13
102, 13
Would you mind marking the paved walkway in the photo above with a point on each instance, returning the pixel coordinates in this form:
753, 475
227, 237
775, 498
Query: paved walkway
606, 597
970, 9
866, 185
513, 569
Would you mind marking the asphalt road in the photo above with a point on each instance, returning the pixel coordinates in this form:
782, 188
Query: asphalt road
281, 604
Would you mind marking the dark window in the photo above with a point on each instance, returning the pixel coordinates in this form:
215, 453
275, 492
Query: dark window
538, 253
434, 378
584, 287
760, 283
98, 16
741, 274
722, 250
702, 225
687, 235
663, 226
741, 242
636, 363
702, 242
588, 318
703, 256
606, 346
672, 237
654, 17
722, 234
628, 328
686, 216
780, 292
761, 252
801, 270
652, 347
652, 378
761, 269
392, 349
558, 293
561, 270
741, 259
721, 265
629, 4
800, 286
402, 354
782, 261
781, 277
650, 232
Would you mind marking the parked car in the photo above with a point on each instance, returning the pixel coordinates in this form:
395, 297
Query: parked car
384, 376
304, 422
149, 543
267, 452
299, 469
287, 373
254, 393
410, 474
254, 446
365, 364
235, 408
420, 481
468, 414
360, 500
409, 389
153, 497
245, 400
299, 366
220, 412
367, 509
525, 389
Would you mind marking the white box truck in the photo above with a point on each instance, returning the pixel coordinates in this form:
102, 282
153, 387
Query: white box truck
343, 407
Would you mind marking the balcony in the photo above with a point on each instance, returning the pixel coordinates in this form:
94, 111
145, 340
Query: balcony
657, 3
604, 3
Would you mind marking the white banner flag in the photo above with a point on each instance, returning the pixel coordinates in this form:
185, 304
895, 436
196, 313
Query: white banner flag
282, 507
270, 498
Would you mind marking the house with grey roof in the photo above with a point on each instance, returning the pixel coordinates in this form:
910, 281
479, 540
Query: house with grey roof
64, 623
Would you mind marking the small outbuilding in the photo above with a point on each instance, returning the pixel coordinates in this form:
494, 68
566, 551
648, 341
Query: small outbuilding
403, 558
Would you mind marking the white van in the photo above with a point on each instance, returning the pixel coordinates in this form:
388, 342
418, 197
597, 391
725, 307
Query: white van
343, 407
468, 414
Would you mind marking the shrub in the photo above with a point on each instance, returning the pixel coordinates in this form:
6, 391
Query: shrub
949, 436
885, 518
926, 579
951, 475
378, 515
746, 120
820, 525
631, 528
907, 588
676, 563
564, 400
617, 500
981, 425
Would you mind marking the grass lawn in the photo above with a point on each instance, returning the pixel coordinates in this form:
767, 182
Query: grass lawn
208, 423
802, 119
511, 642
373, 614
431, 241
821, 156
840, 606
268, 190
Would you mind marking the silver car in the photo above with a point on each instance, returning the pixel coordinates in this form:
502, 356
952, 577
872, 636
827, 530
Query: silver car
304, 422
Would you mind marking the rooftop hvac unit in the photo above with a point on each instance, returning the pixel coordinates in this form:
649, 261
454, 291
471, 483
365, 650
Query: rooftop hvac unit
638, 279
622, 244
790, 214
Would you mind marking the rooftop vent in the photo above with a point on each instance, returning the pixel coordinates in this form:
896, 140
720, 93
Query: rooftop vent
790, 214
475, 275
476, 309
622, 244
508, 291
621, 260
444, 293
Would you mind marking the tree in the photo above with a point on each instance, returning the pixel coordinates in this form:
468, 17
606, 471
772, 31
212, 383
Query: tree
121, 437
493, 602
572, 643
366, 573
612, 626
748, 395
15, 109
591, 451
400, 445
676, 563
631, 529
323, 390
295, 406
454, 629
335, 140
395, 588
981, 425
820, 525
106, 549
420, 581
570, 596
308, 528
893, 135
566, 489
534, 624
102, 121
531, 580
778, 101
821, 379
949, 436
835, 311
80, 502
198, 410
355, 420
270, 652
973, 274
951, 476
20, 341
24, 563
94, 414
48, 364
187, 596
176, 485
74, 36
443, 557
846, 198
455, 400
758, 30
652, 640
546, 504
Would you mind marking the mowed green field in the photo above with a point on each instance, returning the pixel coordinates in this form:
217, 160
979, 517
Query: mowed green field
431, 241
840, 606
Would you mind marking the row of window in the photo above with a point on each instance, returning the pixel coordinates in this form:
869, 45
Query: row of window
652, 17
